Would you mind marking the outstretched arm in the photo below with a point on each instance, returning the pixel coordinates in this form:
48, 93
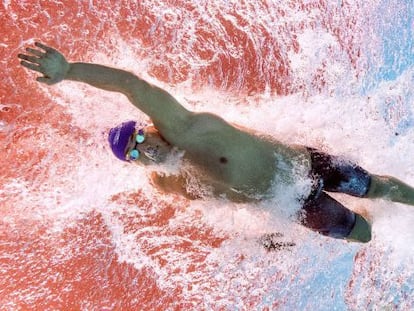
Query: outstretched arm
169, 116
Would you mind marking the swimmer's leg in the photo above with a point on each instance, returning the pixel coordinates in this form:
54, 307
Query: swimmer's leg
329, 217
361, 232
390, 188
343, 176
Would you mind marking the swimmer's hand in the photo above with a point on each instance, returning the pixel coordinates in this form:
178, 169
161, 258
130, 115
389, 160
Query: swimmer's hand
47, 61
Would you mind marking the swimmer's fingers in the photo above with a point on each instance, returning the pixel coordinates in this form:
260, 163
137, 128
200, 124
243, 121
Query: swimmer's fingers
35, 52
34, 67
51, 63
45, 47
31, 59
31, 66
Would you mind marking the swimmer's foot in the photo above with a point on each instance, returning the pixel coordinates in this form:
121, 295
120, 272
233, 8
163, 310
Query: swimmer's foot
271, 242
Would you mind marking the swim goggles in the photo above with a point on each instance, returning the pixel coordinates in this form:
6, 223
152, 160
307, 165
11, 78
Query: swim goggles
134, 153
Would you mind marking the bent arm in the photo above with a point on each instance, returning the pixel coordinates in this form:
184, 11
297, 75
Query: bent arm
168, 115
103, 77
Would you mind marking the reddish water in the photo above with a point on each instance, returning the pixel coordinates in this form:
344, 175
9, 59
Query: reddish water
64, 245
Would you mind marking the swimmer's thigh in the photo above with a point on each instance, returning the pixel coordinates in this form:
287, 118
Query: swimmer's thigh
339, 175
328, 217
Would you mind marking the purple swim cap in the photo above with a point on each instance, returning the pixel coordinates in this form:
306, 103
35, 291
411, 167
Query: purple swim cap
118, 138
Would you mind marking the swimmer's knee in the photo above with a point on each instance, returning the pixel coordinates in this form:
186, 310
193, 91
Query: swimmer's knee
361, 231
375, 189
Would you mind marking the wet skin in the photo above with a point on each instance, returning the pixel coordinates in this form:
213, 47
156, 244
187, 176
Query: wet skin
235, 162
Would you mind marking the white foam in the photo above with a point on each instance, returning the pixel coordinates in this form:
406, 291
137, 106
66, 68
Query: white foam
393, 228
338, 119
352, 126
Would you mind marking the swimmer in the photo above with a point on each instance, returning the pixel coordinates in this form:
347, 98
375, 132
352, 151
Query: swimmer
234, 162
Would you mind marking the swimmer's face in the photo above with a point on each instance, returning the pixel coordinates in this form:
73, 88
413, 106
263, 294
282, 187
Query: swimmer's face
146, 146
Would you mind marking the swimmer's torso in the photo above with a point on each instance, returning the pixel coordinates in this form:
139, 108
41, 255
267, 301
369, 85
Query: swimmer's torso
238, 163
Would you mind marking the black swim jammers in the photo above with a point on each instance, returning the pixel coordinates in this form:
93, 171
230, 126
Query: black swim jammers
333, 174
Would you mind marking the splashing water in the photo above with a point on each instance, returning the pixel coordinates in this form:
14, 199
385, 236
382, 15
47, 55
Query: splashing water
80, 230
